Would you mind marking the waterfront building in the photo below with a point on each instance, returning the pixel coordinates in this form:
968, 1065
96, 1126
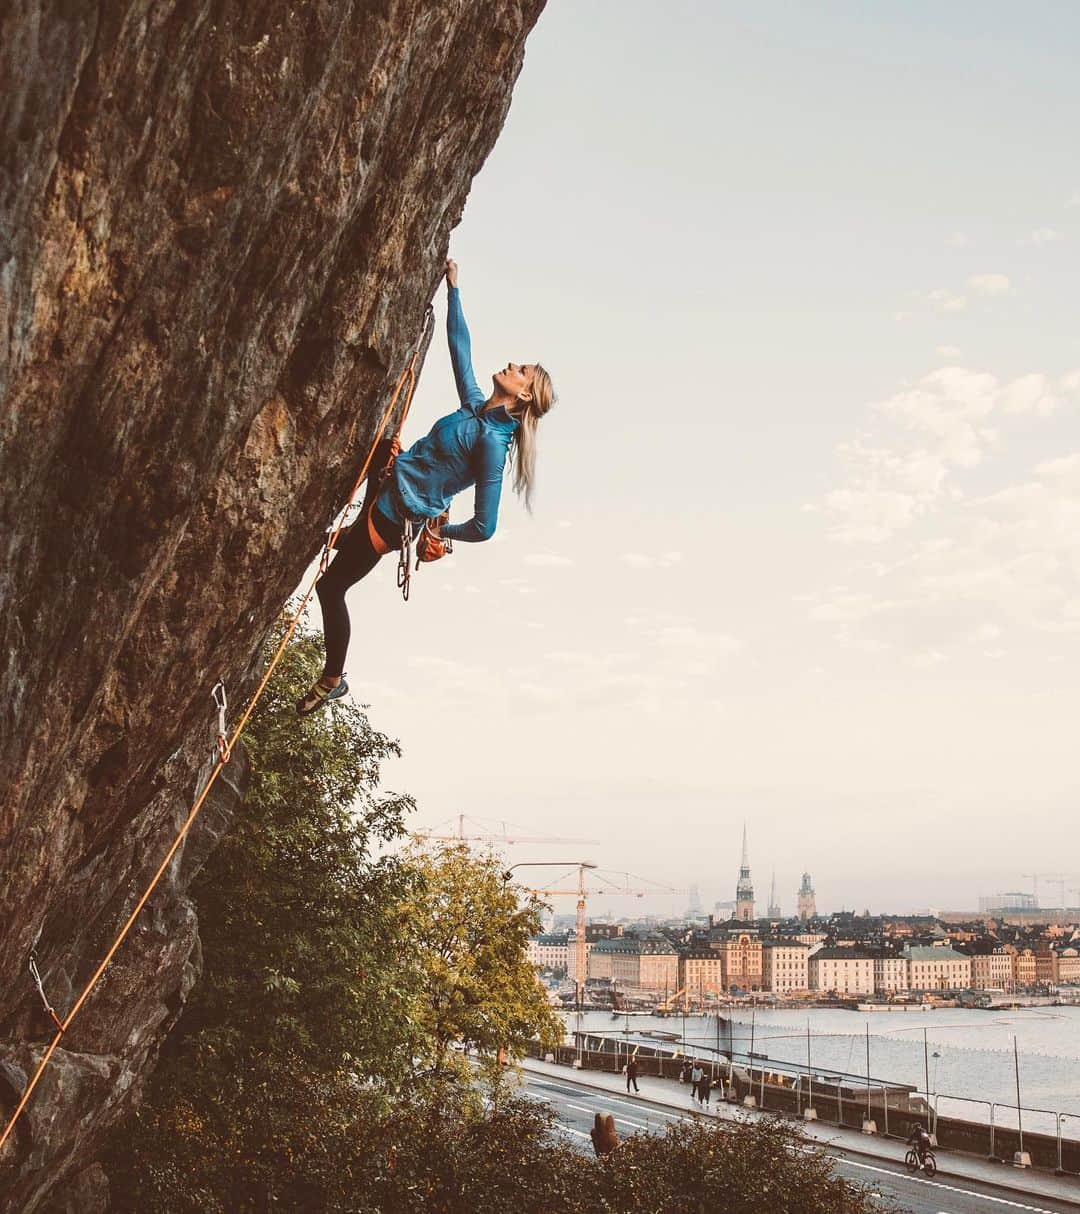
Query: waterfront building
645, 962
1025, 969
784, 966
740, 953
549, 951
744, 889
991, 967
701, 971
807, 899
1068, 965
937, 967
890, 974
844, 970
1045, 963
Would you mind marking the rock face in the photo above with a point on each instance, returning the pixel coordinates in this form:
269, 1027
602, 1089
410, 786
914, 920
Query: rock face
220, 223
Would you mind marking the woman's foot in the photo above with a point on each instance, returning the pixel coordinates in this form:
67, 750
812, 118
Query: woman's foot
322, 692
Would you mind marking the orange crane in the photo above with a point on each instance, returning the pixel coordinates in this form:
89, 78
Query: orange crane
581, 893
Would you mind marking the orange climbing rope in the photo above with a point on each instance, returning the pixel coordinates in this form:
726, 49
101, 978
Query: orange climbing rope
406, 383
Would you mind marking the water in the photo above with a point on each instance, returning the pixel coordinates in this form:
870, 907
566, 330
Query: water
973, 1062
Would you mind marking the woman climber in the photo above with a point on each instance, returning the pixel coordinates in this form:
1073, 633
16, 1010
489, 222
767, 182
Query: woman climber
468, 447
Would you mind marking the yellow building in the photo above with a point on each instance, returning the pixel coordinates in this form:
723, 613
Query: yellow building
740, 958
645, 963
1068, 966
700, 972
1025, 967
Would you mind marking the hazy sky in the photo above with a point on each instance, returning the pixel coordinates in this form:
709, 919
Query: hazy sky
806, 548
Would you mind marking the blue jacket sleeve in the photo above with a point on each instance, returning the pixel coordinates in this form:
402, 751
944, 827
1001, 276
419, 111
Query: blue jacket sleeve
457, 333
492, 458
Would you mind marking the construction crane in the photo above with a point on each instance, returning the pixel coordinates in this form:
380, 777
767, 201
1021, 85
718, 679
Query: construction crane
581, 893
668, 1004
1050, 879
487, 835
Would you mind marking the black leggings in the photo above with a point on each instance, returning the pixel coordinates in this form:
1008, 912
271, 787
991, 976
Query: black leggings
355, 559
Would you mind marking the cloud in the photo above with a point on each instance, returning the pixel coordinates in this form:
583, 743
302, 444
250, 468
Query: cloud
548, 560
906, 467
1008, 564
989, 284
690, 637
942, 300
1074, 200
952, 352
638, 560
946, 406
519, 584
1030, 394
1042, 236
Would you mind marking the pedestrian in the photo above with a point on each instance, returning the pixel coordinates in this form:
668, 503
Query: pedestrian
632, 1073
603, 1135
469, 447
703, 1088
684, 1072
696, 1076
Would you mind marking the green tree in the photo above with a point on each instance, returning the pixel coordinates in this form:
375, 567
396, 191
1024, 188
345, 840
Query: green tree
337, 976
301, 993
466, 928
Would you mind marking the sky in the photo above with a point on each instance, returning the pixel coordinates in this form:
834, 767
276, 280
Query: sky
805, 550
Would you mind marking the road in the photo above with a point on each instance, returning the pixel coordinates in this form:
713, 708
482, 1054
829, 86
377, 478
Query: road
576, 1105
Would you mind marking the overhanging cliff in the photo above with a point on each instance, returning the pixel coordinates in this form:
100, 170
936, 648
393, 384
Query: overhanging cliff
220, 224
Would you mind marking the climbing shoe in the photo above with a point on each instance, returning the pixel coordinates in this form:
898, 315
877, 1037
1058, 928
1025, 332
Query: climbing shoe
319, 695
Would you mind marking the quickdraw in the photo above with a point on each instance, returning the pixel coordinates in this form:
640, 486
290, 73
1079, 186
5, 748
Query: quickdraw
420, 544
35, 974
220, 699
404, 565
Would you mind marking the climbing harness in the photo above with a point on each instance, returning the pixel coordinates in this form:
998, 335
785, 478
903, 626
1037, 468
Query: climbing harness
406, 384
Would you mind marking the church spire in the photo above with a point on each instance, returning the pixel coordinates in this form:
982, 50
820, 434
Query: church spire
744, 890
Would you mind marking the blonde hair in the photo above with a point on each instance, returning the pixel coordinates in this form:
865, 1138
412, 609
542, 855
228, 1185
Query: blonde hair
529, 413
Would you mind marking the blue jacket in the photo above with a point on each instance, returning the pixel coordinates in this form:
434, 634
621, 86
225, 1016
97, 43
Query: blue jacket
465, 448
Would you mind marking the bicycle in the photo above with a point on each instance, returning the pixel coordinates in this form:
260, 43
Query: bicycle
928, 1164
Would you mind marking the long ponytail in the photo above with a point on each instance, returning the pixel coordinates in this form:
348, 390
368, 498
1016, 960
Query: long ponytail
529, 414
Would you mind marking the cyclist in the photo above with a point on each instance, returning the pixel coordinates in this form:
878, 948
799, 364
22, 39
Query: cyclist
920, 1140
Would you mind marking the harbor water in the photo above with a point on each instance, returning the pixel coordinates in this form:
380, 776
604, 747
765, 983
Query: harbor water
967, 1062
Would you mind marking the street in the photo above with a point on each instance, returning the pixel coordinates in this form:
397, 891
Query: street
576, 1105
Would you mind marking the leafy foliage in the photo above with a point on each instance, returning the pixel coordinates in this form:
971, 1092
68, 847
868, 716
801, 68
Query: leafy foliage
466, 931
313, 1068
